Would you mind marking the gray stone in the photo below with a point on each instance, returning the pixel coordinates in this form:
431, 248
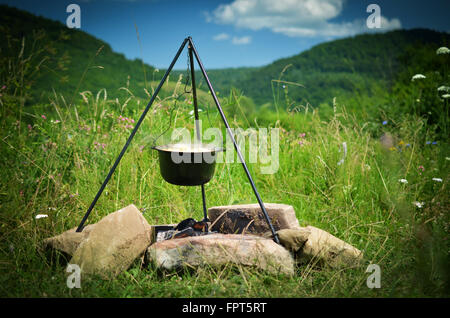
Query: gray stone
114, 243
323, 248
293, 239
222, 249
249, 219
387, 141
68, 241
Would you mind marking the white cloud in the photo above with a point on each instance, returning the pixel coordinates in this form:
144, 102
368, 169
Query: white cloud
221, 37
235, 40
241, 40
294, 17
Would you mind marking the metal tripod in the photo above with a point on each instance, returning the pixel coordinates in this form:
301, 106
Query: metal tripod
192, 52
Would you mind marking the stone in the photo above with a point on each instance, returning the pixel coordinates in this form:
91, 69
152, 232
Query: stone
114, 243
293, 239
219, 250
68, 241
249, 219
387, 141
323, 248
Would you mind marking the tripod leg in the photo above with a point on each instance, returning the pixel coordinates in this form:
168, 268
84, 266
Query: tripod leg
113, 168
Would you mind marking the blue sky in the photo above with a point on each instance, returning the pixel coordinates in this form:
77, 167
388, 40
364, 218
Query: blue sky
233, 33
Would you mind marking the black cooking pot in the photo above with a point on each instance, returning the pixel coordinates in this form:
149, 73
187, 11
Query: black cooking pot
187, 164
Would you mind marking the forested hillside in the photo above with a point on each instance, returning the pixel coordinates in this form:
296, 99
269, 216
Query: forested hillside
63, 59
342, 68
69, 61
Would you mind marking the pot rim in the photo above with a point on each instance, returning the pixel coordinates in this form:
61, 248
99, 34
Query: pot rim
193, 148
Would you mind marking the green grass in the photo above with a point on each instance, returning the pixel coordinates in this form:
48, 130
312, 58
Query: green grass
55, 156
56, 168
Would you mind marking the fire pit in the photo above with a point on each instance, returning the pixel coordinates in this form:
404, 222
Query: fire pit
188, 227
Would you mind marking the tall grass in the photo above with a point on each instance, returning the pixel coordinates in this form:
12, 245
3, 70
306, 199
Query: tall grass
54, 157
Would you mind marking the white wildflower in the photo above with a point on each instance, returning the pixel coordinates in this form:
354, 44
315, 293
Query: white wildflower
442, 50
419, 204
443, 88
446, 96
437, 179
403, 181
418, 76
447, 158
192, 111
40, 216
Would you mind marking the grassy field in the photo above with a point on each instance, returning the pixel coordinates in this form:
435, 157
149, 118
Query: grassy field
54, 160
391, 203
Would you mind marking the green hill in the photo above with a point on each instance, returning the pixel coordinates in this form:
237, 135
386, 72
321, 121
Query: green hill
222, 79
363, 64
63, 59
70, 61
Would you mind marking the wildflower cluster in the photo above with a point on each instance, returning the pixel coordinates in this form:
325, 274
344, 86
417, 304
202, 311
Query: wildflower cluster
401, 146
98, 145
418, 77
49, 145
442, 50
301, 140
421, 169
84, 127
125, 122
297, 139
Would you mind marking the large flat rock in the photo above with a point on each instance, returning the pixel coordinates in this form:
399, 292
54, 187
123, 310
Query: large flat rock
219, 250
113, 243
248, 218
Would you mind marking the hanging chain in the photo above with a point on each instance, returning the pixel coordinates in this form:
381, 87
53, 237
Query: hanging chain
188, 73
188, 78
186, 84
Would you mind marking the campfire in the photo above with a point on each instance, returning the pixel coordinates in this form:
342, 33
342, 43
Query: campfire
188, 227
